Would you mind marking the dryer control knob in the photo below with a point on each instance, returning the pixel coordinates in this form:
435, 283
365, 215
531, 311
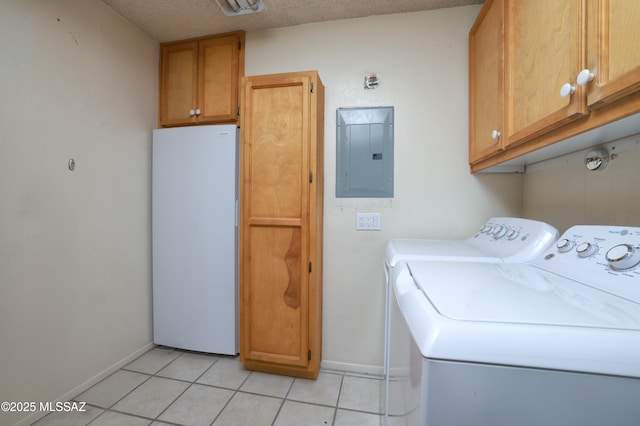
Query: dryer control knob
586, 250
512, 235
623, 256
564, 245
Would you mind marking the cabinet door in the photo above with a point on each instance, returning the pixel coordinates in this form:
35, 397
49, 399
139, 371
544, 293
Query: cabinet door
275, 220
614, 56
218, 79
486, 87
546, 41
178, 86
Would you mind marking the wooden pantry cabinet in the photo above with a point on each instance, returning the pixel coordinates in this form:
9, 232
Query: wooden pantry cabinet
568, 67
281, 193
199, 80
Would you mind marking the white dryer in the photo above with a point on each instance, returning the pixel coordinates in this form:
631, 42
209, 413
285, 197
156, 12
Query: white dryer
551, 342
500, 239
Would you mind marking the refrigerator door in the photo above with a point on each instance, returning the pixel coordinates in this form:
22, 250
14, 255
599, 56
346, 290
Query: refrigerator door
194, 193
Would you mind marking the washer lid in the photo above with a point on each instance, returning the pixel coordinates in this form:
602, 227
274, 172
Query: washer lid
519, 315
519, 293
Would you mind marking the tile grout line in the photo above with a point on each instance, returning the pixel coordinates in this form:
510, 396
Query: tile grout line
190, 383
111, 409
275, 418
335, 412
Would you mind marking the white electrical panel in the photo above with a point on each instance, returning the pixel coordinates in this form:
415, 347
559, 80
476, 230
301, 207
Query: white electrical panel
364, 152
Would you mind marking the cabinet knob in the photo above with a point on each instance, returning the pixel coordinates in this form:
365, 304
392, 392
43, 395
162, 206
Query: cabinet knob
192, 112
584, 77
198, 111
495, 134
566, 90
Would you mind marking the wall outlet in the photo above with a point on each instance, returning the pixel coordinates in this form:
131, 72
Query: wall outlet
368, 221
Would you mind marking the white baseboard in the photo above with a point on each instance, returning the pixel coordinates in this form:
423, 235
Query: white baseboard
345, 367
86, 385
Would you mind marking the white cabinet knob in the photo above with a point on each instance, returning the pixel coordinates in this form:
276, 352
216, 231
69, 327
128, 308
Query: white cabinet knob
192, 113
198, 111
566, 90
584, 77
495, 134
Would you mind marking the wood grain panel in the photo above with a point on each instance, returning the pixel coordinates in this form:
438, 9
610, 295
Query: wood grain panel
486, 44
277, 153
541, 33
219, 73
178, 92
624, 36
277, 324
546, 44
614, 56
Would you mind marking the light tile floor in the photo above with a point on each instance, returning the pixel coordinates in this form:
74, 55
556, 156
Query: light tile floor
168, 386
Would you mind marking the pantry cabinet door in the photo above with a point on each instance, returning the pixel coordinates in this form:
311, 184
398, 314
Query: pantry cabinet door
614, 53
546, 43
275, 221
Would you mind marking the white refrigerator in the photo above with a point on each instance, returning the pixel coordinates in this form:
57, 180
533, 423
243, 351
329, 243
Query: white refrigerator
194, 238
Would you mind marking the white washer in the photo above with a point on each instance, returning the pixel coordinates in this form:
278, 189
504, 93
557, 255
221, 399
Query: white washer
500, 239
552, 342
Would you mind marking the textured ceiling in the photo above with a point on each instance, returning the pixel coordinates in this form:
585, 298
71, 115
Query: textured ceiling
169, 20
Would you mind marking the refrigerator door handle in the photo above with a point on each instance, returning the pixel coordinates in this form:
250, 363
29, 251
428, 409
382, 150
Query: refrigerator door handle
237, 212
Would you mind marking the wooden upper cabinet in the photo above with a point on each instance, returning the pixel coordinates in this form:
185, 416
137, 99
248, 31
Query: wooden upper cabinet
613, 54
178, 83
546, 42
199, 80
486, 82
589, 47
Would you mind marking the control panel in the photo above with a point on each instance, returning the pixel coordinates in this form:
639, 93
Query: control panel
514, 239
604, 257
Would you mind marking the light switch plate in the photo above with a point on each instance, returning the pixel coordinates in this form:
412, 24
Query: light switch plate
368, 221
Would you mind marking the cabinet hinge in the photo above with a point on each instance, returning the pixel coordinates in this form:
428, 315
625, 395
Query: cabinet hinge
239, 45
312, 87
310, 177
310, 267
309, 355
238, 110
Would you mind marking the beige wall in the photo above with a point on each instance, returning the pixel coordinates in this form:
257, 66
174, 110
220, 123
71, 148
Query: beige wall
79, 82
76, 81
421, 60
563, 192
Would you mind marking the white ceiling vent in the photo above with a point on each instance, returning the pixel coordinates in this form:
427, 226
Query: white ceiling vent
241, 7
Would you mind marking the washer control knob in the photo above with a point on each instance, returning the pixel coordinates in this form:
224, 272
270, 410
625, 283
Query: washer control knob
564, 245
485, 229
500, 232
623, 256
586, 250
512, 235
